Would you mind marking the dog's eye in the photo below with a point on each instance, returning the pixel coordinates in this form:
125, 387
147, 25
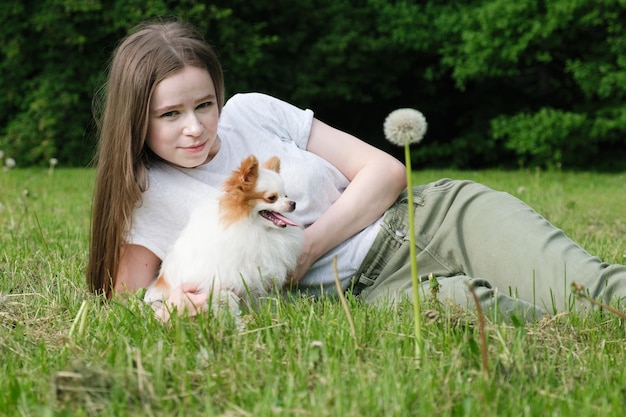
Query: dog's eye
271, 198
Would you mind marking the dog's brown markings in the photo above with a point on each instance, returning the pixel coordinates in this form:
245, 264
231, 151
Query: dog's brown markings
240, 194
162, 284
272, 164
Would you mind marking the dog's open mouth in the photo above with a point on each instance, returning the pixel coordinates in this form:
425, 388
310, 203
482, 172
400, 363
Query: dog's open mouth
278, 219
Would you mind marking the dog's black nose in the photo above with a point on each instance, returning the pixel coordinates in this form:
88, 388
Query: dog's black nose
292, 205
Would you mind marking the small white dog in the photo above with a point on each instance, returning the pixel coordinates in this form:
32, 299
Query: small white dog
239, 246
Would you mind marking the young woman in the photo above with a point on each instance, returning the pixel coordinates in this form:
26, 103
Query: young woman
167, 141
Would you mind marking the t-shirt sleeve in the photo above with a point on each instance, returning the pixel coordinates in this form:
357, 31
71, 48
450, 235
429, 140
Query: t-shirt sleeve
286, 121
156, 222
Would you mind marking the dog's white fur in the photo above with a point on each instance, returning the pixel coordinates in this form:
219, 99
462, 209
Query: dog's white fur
227, 246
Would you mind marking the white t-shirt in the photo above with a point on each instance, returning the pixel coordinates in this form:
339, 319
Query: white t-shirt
256, 124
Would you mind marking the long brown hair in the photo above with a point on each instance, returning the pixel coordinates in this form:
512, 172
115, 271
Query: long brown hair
152, 52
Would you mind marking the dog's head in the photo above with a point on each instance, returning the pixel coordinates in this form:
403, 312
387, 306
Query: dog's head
257, 193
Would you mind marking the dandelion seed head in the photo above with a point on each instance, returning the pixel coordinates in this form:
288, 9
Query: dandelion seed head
9, 163
53, 162
405, 126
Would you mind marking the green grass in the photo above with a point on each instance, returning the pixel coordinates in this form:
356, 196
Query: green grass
64, 352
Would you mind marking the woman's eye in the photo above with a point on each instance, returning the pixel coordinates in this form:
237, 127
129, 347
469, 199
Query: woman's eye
169, 114
205, 105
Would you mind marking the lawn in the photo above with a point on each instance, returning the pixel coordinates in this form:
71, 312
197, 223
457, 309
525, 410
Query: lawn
64, 352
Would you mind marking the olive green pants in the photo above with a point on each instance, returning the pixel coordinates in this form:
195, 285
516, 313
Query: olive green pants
468, 234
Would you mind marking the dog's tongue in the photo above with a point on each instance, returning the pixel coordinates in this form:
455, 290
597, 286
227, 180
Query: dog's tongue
277, 218
285, 220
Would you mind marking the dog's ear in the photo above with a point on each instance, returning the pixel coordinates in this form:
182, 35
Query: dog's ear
249, 170
273, 164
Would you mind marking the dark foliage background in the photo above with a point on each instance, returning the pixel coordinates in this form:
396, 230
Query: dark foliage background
502, 83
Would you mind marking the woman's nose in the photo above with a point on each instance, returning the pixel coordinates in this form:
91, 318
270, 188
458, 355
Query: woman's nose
193, 126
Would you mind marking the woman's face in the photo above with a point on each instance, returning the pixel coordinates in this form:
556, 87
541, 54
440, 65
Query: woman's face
183, 118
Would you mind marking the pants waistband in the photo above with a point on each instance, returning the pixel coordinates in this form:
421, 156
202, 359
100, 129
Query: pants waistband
393, 233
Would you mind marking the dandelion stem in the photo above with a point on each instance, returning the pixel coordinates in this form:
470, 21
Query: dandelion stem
413, 255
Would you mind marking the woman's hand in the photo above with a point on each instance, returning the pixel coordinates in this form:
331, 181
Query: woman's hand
186, 300
305, 260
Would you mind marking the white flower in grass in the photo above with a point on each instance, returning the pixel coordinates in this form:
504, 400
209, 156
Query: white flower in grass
405, 126
53, 162
9, 163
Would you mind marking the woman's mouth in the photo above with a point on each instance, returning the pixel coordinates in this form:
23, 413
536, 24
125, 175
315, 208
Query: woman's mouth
195, 148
